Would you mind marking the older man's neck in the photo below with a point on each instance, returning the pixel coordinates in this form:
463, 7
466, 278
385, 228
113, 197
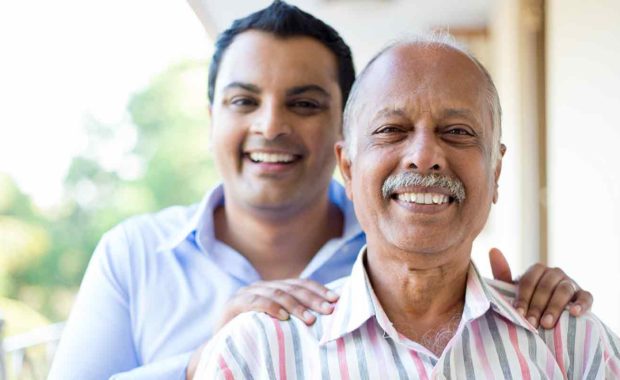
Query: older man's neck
279, 243
424, 302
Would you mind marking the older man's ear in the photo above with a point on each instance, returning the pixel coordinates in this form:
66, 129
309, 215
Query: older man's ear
498, 171
344, 165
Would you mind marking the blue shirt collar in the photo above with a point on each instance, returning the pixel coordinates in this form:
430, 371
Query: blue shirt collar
201, 223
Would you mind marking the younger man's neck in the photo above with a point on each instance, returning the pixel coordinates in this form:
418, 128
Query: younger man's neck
280, 245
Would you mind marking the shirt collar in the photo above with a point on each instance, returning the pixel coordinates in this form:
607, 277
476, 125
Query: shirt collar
201, 222
358, 303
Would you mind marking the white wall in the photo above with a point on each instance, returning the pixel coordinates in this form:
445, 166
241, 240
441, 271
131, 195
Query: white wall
584, 147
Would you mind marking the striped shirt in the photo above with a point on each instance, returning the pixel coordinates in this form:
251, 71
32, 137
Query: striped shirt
357, 341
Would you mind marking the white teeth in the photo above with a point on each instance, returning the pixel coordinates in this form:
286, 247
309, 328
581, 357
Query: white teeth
423, 198
271, 157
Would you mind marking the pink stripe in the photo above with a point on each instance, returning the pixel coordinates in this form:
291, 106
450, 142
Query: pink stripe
224, 368
342, 359
587, 341
512, 332
281, 353
613, 366
419, 365
475, 326
550, 365
557, 346
374, 342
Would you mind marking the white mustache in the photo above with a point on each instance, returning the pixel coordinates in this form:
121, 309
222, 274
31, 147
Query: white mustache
453, 186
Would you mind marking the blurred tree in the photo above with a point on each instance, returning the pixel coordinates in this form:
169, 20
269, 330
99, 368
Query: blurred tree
155, 158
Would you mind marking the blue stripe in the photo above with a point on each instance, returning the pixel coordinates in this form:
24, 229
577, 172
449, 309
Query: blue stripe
266, 348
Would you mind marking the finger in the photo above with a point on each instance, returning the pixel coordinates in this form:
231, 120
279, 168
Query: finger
542, 294
304, 296
261, 303
499, 266
285, 300
316, 287
563, 293
525, 287
582, 302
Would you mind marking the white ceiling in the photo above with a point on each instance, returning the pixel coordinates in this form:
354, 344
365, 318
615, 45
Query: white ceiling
366, 25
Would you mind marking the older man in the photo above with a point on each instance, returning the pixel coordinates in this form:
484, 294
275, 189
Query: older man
421, 163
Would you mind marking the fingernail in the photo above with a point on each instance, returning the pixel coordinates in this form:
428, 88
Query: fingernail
577, 309
283, 314
521, 311
532, 321
307, 316
331, 294
326, 306
547, 320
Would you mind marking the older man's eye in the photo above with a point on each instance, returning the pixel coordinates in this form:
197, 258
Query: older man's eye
387, 129
459, 132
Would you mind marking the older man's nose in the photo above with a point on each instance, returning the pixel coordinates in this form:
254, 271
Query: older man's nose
271, 122
425, 155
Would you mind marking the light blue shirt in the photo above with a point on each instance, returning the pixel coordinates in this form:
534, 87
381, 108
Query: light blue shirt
157, 284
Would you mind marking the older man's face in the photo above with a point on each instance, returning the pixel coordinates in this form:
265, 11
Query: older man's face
422, 110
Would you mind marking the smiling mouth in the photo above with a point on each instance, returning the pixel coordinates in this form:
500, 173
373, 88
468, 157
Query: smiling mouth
272, 158
424, 198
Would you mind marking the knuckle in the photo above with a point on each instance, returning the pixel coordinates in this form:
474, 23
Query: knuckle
534, 311
558, 271
279, 293
254, 299
539, 266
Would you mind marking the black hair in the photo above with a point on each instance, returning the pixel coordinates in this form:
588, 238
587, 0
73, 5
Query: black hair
285, 20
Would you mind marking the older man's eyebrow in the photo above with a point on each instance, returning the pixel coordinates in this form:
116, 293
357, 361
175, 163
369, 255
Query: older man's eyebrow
388, 112
298, 90
458, 112
245, 86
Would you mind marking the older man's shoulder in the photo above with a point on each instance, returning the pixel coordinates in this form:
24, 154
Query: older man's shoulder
505, 289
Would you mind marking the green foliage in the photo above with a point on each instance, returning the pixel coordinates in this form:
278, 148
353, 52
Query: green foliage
158, 158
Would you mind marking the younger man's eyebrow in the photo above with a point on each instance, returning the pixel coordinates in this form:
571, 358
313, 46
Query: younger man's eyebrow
297, 90
245, 86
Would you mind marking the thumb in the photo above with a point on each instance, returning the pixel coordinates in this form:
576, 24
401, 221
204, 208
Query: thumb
499, 266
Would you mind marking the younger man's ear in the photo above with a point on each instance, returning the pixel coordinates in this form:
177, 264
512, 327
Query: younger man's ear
344, 165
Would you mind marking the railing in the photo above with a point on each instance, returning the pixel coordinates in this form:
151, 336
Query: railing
14, 351
2, 367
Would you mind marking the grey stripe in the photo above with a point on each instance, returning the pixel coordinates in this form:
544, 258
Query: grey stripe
499, 346
570, 337
446, 364
318, 326
504, 292
324, 364
402, 374
531, 348
467, 358
266, 348
299, 362
433, 361
247, 374
610, 338
361, 357
596, 364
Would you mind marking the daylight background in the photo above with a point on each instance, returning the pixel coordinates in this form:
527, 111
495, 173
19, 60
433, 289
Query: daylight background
103, 116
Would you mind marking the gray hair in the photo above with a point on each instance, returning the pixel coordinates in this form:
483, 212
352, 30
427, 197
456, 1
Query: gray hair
439, 39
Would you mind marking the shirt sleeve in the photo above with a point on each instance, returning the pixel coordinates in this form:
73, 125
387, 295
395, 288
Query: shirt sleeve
241, 350
98, 342
592, 349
